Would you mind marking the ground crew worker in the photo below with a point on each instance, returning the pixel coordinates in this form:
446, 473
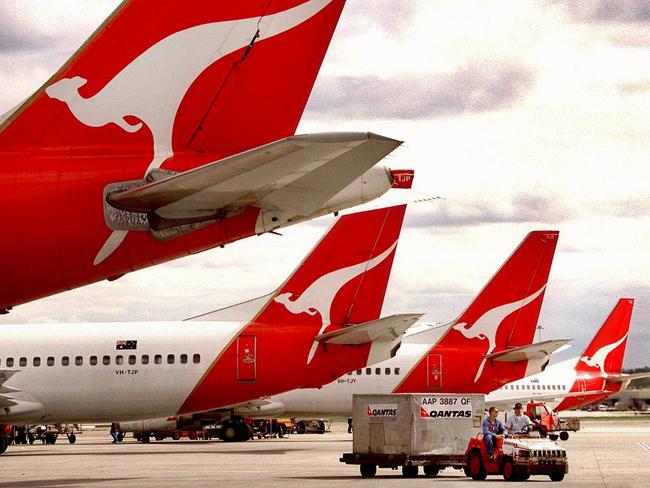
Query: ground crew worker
516, 423
493, 429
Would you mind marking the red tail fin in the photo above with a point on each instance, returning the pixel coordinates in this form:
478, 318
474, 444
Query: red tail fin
606, 351
603, 356
343, 280
503, 315
218, 77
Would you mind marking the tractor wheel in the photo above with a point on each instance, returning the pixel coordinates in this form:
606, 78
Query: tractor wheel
410, 471
321, 427
50, 438
159, 437
553, 437
176, 436
508, 470
431, 470
368, 470
564, 435
72, 438
556, 476
475, 466
4, 442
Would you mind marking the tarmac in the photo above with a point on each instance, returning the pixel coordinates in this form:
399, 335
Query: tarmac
604, 453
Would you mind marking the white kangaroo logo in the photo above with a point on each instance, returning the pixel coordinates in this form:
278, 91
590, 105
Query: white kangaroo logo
600, 356
319, 296
487, 326
152, 87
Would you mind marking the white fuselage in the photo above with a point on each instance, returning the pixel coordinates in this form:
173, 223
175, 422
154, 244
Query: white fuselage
335, 398
556, 380
75, 373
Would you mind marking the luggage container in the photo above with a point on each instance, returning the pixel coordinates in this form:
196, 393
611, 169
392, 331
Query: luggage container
411, 430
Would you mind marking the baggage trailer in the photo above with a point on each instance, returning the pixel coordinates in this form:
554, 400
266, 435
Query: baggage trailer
412, 430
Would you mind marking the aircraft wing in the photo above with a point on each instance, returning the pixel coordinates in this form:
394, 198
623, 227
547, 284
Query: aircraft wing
5, 401
532, 351
297, 175
620, 378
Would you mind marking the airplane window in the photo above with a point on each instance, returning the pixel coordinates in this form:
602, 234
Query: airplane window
145, 359
23, 362
528, 387
196, 359
183, 358
543, 387
65, 361
50, 361
368, 370
37, 361
78, 360
10, 362
157, 359
170, 359
517, 386
396, 370
131, 359
119, 359
106, 360
377, 370
386, 370
93, 360
359, 371
349, 373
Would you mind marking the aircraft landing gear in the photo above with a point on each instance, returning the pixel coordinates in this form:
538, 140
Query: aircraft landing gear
236, 431
4, 441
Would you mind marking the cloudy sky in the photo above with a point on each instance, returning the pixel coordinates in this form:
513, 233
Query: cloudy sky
521, 114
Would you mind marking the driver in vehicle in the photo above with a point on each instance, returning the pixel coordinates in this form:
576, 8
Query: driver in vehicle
519, 422
493, 429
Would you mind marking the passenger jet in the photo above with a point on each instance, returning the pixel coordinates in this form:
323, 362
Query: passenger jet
323, 321
591, 377
487, 346
169, 132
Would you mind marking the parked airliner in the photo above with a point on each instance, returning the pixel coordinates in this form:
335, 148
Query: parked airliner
487, 346
169, 132
591, 377
322, 322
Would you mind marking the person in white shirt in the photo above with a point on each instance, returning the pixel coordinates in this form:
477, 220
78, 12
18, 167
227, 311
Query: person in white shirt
516, 423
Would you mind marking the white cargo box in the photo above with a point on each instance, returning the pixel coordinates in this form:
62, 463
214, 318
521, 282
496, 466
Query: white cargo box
415, 424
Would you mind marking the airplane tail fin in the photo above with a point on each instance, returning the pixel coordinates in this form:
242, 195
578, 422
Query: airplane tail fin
607, 349
507, 309
502, 317
212, 77
602, 358
343, 279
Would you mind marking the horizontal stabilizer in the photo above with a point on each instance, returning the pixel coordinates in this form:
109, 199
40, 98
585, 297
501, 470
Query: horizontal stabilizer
241, 312
620, 378
386, 329
538, 350
297, 175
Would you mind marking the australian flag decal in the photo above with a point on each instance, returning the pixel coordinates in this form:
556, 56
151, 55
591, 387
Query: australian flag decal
121, 345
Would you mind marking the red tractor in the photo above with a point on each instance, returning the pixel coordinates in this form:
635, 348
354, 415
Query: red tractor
549, 422
517, 458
